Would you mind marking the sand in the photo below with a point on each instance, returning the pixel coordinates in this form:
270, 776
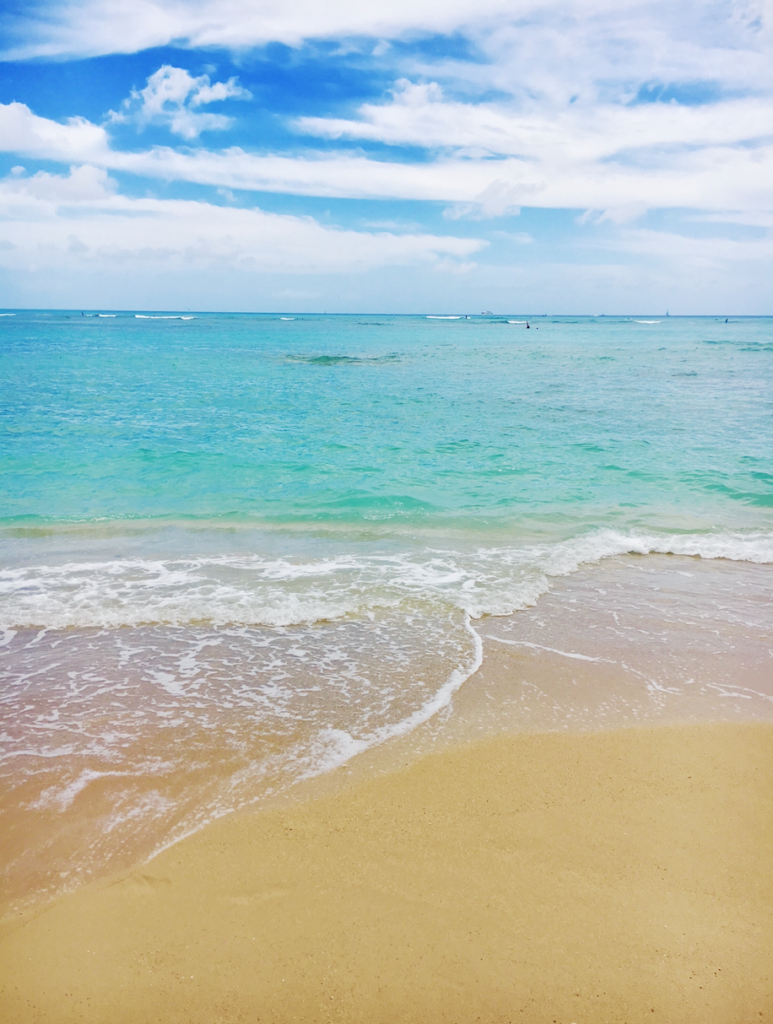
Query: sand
621, 876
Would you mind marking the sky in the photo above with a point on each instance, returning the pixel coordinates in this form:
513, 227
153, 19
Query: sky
437, 156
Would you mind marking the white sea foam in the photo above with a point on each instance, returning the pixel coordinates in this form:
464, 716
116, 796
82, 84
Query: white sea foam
270, 591
146, 316
150, 806
107, 315
265, 708
444, 318
61, 797
7, 314
648, 321
541, 647
334, 747
286, 317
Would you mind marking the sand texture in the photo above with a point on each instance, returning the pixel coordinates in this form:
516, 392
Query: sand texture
624, 876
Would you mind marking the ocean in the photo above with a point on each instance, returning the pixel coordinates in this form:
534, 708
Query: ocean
237, 550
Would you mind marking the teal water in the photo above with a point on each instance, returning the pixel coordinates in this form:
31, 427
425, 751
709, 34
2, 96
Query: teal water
237, 549
393, 455
415, 423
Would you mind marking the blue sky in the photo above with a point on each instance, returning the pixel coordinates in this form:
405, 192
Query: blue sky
422, 156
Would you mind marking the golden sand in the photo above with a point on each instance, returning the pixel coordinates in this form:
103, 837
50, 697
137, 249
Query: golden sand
623, 876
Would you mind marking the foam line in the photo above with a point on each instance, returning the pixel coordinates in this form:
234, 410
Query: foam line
731, 690
270, 591
345, 746
442, 698
553, 650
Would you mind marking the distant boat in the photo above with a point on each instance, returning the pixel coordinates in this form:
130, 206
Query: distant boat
487, 312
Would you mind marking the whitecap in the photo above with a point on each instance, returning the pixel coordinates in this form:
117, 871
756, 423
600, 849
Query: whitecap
444, 318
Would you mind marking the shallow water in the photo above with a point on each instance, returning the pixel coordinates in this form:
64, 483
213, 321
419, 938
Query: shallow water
237, 550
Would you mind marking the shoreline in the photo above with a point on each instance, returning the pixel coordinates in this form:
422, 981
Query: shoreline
635, 641
611, 876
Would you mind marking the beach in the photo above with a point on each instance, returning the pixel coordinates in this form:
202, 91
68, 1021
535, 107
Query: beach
419, 672
620, 876
386, 512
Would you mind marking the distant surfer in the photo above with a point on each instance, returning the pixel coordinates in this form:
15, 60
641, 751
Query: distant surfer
528, 326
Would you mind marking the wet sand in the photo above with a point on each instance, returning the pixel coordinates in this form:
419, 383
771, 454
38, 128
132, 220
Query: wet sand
117, 742
618, 876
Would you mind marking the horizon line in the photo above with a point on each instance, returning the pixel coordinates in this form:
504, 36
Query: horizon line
284, 312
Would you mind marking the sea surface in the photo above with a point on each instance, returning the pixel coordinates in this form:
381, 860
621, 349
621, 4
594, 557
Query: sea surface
237, 550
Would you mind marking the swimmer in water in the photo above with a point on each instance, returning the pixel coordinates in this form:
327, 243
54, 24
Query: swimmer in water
528, 326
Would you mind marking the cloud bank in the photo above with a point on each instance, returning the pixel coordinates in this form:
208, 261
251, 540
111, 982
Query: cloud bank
51, 219
718, 159
648, 127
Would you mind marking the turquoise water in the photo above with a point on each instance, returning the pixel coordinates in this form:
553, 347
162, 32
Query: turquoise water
397, 422
392, 455
236, 550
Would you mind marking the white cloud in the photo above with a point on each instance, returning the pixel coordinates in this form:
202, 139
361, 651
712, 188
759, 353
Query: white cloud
616, 160
497, 199
749, 218
170, 98
331, 175
565, 134
419, 115
565, 130
75, 141
551, 49
92, 27
624, 214
83, 184
631, 158
70, 240
665, 248
49, 220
